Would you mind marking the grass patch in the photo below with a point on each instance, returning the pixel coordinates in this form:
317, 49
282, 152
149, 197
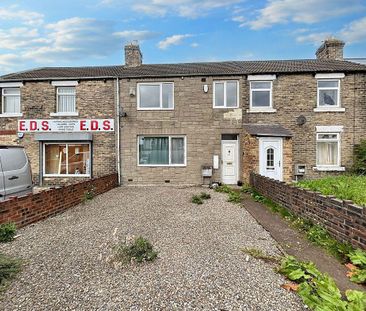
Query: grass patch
259, 254
196, 199
233, 195
318, 290
7, 232
205, 196
345, 187
139, 250
9, 267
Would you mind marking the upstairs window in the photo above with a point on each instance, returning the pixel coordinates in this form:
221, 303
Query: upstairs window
328, 93
226, 94
155, 96
66, 99
11, 101
260, 94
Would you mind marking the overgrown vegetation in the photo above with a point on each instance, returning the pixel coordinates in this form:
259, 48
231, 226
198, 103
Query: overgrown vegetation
319, 291
318, 235
9, 267
344, 187
359, 166
233, 196
139, 250
89, 194
198, 199
7, 232
259, 254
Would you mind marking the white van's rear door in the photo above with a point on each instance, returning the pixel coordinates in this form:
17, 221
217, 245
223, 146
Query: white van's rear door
16, 170
2, 185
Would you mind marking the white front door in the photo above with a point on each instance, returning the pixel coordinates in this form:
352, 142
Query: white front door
229, 154
270, 157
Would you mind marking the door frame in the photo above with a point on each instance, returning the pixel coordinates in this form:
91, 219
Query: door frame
237, 142
271, 139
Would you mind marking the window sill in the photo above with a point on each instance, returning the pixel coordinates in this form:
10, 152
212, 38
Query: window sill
65, 175
329, 168
11, 115
222, 107
64, 114
162, 165
329, 109
155, 109
264, 110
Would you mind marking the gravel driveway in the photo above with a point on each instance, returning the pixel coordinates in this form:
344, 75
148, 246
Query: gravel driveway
200, 265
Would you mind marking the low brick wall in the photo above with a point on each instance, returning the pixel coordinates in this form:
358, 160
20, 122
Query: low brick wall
344, 220
34, 207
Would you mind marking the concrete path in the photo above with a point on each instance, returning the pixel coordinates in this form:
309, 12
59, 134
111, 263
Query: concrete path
200, 264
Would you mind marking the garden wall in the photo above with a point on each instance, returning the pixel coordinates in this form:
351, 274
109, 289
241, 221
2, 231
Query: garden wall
344, 220
34, 207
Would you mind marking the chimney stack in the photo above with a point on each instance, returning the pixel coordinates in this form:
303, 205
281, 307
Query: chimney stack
331, 48
133, 55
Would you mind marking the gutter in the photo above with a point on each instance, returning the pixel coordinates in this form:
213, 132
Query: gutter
118, 147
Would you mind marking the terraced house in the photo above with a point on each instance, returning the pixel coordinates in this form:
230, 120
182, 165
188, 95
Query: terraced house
188, 123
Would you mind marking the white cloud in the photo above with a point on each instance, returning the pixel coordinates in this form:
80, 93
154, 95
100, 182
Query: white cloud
308, 12
355, 31
184, 8
316, 38
140, 35
26, 17
172, 40
239, 19
194, 45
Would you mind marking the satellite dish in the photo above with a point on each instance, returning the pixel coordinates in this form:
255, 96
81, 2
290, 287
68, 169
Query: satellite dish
301, 120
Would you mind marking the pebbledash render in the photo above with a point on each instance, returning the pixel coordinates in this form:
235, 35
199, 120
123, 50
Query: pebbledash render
188, 123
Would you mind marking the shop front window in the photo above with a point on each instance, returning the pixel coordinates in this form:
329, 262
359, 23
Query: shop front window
66, 159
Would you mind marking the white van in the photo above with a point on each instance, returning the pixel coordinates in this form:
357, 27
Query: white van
15, 172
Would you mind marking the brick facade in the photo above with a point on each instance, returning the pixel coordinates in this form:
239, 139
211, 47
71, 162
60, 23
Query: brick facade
94, 99
34, 207
344, 220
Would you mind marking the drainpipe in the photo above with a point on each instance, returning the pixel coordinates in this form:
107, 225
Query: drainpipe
118, 133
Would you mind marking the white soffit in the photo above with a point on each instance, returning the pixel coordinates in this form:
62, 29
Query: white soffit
329, 129
261, 77
11, 84
65, 83
329, 76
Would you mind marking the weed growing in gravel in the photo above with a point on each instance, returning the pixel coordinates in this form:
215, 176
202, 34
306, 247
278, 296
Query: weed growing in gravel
89, 194
9, 267
223, 188
139, 250
259, 254
7, 232
196, 199
234, 197
205, 196
319, 291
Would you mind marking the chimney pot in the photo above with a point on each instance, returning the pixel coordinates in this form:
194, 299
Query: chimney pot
133, 55
331, 48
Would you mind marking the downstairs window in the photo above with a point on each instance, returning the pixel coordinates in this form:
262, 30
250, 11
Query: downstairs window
162, 151
66, 159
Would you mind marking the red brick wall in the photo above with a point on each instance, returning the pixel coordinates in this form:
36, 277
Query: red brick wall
344, 220
34, 207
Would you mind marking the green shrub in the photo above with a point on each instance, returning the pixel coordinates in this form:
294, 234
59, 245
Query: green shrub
140, 250
319, 291
9, 267
7, 232
205, 196
359, 166
196, 199
358, 258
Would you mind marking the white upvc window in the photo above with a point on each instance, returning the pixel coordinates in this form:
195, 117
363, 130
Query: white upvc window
328, 148
226, 94
66, 99
162, 150
155, 96
10, 101
66, 159
329, 92
260, 95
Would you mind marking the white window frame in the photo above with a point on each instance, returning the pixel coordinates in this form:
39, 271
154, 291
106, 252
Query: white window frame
66, 83
261, 109
3, 96
170, 151
161, 95
10, 85
334, 130
67, 159
225, 98
329, 77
